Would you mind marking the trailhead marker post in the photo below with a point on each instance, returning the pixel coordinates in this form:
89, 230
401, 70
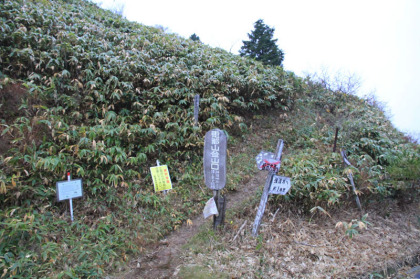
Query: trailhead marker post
214, 163
274, 184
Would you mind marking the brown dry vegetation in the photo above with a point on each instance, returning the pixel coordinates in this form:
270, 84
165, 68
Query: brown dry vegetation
13, 95
10, 100
292, 245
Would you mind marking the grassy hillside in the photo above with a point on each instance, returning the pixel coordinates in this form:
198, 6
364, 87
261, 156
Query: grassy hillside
86, 91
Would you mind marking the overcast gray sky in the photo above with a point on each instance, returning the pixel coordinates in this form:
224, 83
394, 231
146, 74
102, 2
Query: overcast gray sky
378, 40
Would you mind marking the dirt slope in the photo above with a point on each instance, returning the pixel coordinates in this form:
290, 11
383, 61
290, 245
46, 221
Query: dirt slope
162, 259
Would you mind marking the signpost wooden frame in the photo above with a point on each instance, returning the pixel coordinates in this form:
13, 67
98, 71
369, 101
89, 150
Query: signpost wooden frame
266, 191
214, 165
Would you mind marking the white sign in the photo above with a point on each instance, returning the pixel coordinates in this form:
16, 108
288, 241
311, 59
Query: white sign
69, 189
280, 185
210, 209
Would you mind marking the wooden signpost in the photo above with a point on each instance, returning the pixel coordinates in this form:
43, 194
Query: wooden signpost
196, 108
214, 162
274, 184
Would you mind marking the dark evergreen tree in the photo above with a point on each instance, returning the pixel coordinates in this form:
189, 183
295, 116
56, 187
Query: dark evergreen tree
195, 38
261, 45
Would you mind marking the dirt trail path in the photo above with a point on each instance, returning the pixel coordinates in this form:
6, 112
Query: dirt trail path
163, 259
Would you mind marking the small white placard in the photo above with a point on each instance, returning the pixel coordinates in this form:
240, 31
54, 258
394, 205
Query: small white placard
280, 185
210, 209
69, 189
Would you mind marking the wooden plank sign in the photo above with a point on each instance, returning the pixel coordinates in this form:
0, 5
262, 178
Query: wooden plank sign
215, 144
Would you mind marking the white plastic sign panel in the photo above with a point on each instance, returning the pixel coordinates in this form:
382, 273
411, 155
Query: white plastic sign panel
215, 144
210, 209
69, 189
280, 185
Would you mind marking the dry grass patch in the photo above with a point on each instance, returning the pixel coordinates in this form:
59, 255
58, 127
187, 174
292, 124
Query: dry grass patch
291, 246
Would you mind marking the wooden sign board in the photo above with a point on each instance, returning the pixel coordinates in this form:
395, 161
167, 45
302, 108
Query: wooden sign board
215, 144
161, 179
280, 185
69, 189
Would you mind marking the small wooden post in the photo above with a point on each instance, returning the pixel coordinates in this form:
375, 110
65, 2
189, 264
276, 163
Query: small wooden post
350, 176
335, 139
196, 108
220, 203
264, 197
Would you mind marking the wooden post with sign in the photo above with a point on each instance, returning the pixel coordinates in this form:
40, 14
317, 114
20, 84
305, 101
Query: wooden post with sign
272, 166
196, 108
214, 162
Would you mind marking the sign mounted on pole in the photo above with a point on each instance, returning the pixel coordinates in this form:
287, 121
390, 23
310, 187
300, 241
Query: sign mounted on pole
215, 144
69, 190
272, 166
161, 178
280, 185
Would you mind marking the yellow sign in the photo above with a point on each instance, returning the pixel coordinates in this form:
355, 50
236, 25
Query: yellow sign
161, 178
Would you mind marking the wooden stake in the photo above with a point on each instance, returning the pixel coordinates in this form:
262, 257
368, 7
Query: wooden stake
350, 176
335, 139
239, 231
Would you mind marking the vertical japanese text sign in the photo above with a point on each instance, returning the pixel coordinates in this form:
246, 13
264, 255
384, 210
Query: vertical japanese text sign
215, 143
161, 179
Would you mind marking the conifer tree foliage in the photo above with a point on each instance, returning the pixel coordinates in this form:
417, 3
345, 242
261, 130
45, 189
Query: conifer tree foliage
195, 38
261, 45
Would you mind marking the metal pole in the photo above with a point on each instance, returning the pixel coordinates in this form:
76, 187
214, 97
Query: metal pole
70, 200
